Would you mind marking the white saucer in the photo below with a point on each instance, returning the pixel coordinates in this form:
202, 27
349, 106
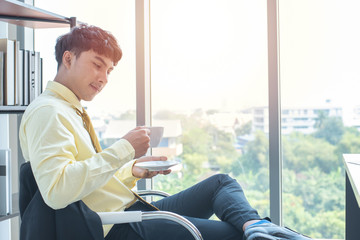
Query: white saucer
157, 165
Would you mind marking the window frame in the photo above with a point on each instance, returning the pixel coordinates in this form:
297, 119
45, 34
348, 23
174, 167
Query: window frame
143, 94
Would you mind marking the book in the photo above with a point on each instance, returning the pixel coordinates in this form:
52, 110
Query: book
37, 79
31, 76
17, 73
41, 76
1, 78
8, 47
20, 81
26, 76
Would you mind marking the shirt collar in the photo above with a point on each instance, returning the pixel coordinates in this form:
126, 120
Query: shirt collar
65, 93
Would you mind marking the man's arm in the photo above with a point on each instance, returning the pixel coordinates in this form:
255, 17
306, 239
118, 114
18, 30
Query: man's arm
65, 167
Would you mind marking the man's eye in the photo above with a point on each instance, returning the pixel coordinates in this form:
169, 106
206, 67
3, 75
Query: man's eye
97, 65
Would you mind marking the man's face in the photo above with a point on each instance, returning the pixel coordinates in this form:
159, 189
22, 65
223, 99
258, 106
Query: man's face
88, 74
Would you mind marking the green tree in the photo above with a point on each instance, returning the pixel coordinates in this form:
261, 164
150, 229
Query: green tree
331, 129
256, 152
319, 191
350, 142
321, 116
244, 129
195, 140
168, 115
303, 152
193, 163
328, 225
313, 179
222, 152
212, 111
128, 115
295, 215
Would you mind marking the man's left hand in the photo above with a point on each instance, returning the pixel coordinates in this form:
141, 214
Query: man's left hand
144, 173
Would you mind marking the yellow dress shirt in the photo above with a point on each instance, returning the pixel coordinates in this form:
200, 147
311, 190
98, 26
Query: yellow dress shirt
65, 164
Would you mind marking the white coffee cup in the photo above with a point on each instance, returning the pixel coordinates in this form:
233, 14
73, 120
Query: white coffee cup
156, 134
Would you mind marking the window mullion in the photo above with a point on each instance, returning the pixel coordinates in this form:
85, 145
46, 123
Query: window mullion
275, 162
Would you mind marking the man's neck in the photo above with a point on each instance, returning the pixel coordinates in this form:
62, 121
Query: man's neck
63, 79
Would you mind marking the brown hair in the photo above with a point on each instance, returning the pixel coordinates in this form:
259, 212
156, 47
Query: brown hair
83, 38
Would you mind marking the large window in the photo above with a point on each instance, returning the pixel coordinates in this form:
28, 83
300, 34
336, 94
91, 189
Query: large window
210, 92
319, 72
113, 110
209, 89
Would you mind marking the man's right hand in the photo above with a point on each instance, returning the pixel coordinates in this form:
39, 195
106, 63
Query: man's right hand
139, 139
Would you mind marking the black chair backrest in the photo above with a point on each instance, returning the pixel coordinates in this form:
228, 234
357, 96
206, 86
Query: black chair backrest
41, 222
28, 187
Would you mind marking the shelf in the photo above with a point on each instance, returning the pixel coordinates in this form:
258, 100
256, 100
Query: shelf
6, 217
15, 208
12, 109
26, 15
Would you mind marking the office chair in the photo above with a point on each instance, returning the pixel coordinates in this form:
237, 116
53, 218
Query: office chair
77, 221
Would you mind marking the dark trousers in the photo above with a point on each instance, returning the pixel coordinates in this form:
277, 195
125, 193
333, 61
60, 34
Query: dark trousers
219, 195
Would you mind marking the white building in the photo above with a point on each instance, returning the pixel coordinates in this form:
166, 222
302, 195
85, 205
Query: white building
301, 119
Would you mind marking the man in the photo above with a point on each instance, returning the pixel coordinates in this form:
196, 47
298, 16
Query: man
69, 164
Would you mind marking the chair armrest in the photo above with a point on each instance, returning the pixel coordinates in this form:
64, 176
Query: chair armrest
138, 216
152, 193
175, 218
120, 217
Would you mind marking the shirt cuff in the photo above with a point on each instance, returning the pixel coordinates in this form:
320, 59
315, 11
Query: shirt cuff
123, 149
124, 174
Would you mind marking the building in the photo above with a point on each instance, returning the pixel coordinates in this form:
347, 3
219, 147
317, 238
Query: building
300, 119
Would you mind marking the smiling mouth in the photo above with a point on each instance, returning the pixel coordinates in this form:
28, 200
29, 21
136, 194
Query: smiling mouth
98, 89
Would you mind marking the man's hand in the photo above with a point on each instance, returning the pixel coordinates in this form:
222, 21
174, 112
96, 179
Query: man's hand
139, 139
144, 173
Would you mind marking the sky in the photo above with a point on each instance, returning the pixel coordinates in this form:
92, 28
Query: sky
212, 54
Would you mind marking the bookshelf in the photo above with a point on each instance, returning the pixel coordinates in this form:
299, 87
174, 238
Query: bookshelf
12, 109
23, 15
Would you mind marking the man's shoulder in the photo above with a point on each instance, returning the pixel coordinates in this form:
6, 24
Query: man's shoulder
49, 104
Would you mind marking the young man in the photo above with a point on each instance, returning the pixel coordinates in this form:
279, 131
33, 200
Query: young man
68, 163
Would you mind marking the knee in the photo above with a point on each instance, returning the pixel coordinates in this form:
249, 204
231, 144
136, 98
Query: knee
224, 181
222, 177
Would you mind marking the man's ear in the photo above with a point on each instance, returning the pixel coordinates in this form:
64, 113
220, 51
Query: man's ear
67, 58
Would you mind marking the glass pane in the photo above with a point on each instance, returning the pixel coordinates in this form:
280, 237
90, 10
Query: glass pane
113, 110
209, 91
319, 72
